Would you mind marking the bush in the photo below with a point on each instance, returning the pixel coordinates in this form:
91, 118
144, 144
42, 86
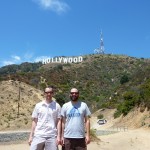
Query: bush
100, 116
117, 114
131, 99
60, 98
124, 79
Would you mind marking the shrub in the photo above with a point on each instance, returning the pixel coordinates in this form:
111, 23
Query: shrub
131, 99
117, 114
124, 79
100, 116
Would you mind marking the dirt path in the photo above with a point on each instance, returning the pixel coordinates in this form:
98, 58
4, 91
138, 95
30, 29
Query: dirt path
129, 140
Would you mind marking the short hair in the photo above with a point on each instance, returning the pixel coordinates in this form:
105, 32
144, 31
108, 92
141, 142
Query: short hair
49, 87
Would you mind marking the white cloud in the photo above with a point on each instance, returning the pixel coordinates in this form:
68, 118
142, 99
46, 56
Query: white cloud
13, 60
28, 57
16, 58
37, 59
7, 62
57, 6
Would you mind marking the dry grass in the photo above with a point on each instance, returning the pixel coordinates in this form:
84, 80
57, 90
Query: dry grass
11, 116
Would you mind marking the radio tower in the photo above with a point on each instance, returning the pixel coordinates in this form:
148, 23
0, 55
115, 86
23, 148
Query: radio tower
101, 49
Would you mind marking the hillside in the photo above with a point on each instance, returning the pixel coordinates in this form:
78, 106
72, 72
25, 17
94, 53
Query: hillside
104, 81
15, 111
98, 77
133, 120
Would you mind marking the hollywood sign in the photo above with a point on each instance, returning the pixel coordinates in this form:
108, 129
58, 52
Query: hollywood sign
62, 60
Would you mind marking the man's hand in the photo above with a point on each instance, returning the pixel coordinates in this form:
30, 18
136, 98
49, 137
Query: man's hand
62, 141
87, 140
58, 140
30, 140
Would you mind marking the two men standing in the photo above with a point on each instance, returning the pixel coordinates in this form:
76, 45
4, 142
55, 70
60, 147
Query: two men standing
70, 131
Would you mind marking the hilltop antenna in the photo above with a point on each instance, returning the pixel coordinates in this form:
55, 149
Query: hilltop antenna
101, 49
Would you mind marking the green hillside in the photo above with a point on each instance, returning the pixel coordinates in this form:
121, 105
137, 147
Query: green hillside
111, 81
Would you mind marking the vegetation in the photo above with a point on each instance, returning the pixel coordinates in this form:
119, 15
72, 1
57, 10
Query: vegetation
110, 81
93, 136
23, 68
100, 116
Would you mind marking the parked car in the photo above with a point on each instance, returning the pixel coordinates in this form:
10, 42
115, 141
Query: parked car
102, 121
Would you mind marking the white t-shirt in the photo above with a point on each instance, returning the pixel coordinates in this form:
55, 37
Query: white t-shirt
47, 115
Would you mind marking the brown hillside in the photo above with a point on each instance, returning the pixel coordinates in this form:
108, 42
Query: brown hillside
134, 120
15, 108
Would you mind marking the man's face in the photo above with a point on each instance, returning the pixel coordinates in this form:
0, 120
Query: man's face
74, 94
48, 93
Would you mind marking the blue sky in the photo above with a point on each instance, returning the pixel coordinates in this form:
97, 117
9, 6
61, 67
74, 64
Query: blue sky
34, 29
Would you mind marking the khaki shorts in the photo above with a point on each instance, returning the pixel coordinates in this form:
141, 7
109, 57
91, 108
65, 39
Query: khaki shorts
39, 143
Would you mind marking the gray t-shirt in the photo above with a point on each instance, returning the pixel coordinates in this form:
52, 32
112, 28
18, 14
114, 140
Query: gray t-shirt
75, 117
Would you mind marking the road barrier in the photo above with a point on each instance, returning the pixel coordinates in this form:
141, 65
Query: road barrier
14, 136
112, 130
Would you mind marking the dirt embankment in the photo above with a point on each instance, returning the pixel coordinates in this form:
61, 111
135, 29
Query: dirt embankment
134, 120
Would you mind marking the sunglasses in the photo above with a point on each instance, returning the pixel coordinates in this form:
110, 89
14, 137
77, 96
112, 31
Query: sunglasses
74, 93
51, 92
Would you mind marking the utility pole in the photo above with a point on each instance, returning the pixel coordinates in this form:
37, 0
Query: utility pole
18, 112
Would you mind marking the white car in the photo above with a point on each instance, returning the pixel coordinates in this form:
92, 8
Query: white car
101, 121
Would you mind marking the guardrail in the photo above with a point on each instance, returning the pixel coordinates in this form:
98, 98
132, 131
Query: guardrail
112, 130
14, 136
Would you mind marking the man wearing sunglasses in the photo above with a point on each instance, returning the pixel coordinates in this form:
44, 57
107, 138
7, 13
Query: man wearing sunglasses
75, 121
46, 124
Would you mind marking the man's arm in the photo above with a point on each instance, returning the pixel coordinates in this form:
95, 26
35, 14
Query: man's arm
87, 126
58, 131
63, 120
34, 123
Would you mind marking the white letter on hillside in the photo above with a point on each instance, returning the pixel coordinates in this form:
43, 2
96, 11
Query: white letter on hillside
80, 58
56, 59
70, 60
44, 61
60, 59
52, 60
75, 59
65, 60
